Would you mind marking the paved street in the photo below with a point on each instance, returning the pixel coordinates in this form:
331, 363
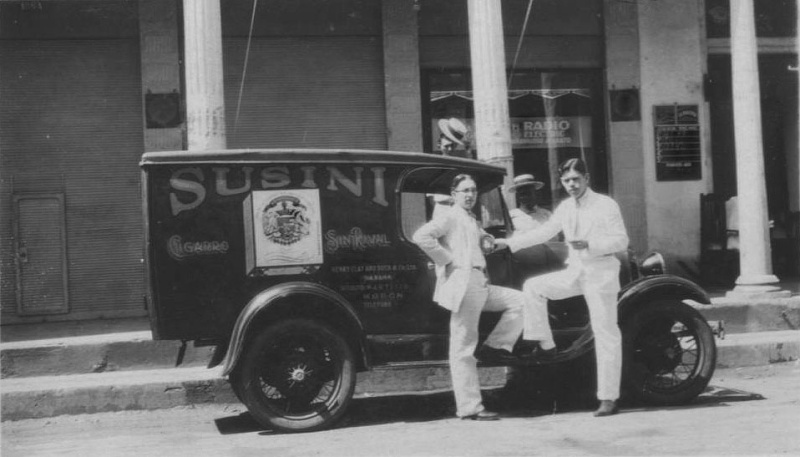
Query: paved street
750, 411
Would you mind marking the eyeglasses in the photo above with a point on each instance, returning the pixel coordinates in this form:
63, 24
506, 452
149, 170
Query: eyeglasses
471, 190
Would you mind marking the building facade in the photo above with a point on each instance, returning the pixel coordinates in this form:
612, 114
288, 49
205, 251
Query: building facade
641, 90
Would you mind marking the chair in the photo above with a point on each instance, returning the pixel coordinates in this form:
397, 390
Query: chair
719, 264
785, 242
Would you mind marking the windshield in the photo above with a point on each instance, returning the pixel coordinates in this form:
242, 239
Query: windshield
417, 208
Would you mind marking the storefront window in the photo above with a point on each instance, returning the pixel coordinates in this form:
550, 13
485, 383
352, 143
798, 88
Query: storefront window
774, 18
554, 116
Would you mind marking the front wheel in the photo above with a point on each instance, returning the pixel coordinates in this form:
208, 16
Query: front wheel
669, 353
297, 375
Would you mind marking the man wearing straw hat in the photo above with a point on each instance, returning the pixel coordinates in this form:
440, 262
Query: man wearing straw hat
453, 133
528, 215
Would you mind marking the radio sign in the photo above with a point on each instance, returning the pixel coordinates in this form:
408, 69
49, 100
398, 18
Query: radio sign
551, 132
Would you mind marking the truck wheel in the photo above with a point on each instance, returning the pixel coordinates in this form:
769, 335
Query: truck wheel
669, 353
298, 375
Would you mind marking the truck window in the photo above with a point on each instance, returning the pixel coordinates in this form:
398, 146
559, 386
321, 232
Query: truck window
413, 212
418, 208
490, 209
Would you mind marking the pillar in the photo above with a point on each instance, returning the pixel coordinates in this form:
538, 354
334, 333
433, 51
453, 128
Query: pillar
625, 133
488, 62
402, 75
161, 74
754, 252
205, 95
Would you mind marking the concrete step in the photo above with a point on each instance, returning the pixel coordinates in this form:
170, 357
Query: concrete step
136, 350
758, 348
754, 315
95, 354
46, 396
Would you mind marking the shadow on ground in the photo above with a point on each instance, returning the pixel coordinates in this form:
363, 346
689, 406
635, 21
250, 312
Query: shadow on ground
528, 393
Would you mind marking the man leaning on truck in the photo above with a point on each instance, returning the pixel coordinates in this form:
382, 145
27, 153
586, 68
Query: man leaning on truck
452, 240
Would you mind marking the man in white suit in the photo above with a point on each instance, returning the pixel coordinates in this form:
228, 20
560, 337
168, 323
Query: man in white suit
593, 228
452, 240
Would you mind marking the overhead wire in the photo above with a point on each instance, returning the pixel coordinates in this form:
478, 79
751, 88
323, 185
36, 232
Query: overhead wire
244, 69
519, 43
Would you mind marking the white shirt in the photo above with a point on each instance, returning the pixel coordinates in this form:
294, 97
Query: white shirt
593, 217
474, 238
524, 221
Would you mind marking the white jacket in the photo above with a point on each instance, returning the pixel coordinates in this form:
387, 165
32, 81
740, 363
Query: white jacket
451, 237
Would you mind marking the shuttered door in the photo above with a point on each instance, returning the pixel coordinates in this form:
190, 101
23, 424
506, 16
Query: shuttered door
70, 122
306, 93
41, 254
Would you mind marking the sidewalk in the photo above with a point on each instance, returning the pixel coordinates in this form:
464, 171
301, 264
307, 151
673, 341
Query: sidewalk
111, 365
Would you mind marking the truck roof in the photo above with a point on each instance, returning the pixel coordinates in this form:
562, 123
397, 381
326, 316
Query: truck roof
317, 156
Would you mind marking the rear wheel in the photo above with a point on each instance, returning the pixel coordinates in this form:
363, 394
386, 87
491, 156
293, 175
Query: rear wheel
297, 375
670, 354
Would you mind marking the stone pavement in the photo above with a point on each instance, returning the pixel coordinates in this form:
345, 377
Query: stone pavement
52, 369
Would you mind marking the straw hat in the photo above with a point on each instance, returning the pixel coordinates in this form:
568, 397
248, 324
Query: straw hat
525, 180
453, 129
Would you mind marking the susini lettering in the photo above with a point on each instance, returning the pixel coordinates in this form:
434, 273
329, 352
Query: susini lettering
188, 185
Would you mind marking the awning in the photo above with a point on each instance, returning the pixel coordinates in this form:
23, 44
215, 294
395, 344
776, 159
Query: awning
513, 94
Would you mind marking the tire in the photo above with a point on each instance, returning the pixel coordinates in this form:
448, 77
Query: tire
297, 375
669, 353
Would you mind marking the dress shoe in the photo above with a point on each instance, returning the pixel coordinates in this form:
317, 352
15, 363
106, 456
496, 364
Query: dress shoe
607, 408
488, 354
482, 416
537, 354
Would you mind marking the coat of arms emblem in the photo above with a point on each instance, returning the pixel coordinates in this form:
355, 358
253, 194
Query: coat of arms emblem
284, 220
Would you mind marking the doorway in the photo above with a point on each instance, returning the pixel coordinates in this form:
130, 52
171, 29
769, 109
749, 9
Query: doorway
41, 260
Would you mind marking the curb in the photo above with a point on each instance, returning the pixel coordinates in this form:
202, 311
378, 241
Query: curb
48, 396
761, 348
754, 315
95, 354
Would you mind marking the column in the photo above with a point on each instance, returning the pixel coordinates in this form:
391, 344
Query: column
161, 75
402, 75
625, 133
488, 62
205, 102
754, 252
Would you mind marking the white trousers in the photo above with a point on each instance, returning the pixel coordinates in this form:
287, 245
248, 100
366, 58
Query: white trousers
599, 283
480, 296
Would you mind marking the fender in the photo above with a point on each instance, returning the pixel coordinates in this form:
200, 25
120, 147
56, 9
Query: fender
268, 297
652, 287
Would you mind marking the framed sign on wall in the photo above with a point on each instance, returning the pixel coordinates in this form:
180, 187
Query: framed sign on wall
677, 137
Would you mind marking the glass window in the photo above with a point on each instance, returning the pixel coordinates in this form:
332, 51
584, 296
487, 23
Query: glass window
417, 208
413, 212
774, 18
491, 209
554, 115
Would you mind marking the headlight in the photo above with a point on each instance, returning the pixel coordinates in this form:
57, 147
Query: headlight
653, 264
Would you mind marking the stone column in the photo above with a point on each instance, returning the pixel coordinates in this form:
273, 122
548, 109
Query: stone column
161, 80
402, 75
754, 252
625, 133
205, 95
488, 62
